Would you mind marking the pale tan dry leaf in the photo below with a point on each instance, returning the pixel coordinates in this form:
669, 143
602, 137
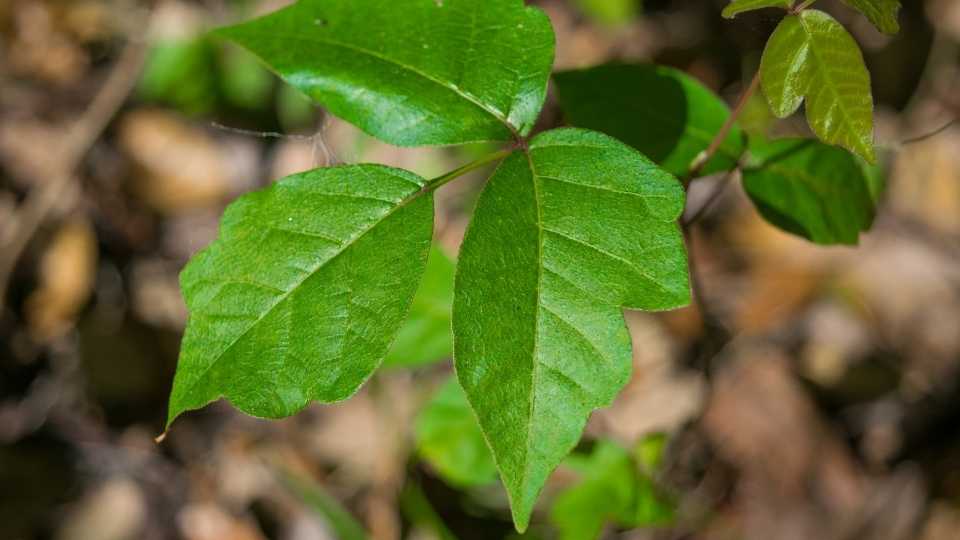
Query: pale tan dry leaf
204, 521
925, 182
181, 168
41, 50
116, 510
66, 277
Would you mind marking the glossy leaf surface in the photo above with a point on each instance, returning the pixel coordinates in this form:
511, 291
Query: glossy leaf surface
882, 13
737, 7
413, 72
811, 56
662, 112
426, 337
563, 237
301, 294
814, 190
449, 438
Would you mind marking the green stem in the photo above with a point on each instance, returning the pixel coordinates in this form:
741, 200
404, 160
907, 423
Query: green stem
721, 135
456, 173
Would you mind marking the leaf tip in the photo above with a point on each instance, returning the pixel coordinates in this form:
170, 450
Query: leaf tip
521, 520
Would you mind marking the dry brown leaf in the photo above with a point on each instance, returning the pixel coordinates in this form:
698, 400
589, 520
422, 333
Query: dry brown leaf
41, 50
114, 511
926, 181
210, 522
66, 275
181, 168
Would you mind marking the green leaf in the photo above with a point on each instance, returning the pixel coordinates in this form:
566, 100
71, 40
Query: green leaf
417, 509
810, 189
563, 237
811, 56
449, 438
737, 7
181, 73
300, 296
312, 494
413, 72
662, 112
605, 493
611, 490
426, 336
243, 80
882, 13
610, 12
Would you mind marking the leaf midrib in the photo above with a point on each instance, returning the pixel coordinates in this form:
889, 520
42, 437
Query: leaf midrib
821, 66
525, 477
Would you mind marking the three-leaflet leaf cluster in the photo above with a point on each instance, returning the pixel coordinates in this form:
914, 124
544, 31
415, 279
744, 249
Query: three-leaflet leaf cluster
310, 281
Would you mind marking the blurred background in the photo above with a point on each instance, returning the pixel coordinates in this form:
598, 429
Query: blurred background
813, 394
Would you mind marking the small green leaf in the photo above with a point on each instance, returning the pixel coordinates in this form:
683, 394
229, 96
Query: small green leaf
449, 438
300, 296
811, 56
343, 524
610, 12
882, 13
417, 509
810, 189
426, 336
244, 81
604, 494
413, 72
611, 490
662, 112
737, 7
181, 73
650, 451
563, 237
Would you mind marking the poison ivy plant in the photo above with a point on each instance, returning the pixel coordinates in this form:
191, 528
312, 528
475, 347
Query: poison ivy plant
413, 72
810, 56
310, 280
672, 121
449, 438
810, 189
425, 336
539, 338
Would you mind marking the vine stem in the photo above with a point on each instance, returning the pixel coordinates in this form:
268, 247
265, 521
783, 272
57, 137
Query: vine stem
804, 5
456, 173
711, 199
700, 162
